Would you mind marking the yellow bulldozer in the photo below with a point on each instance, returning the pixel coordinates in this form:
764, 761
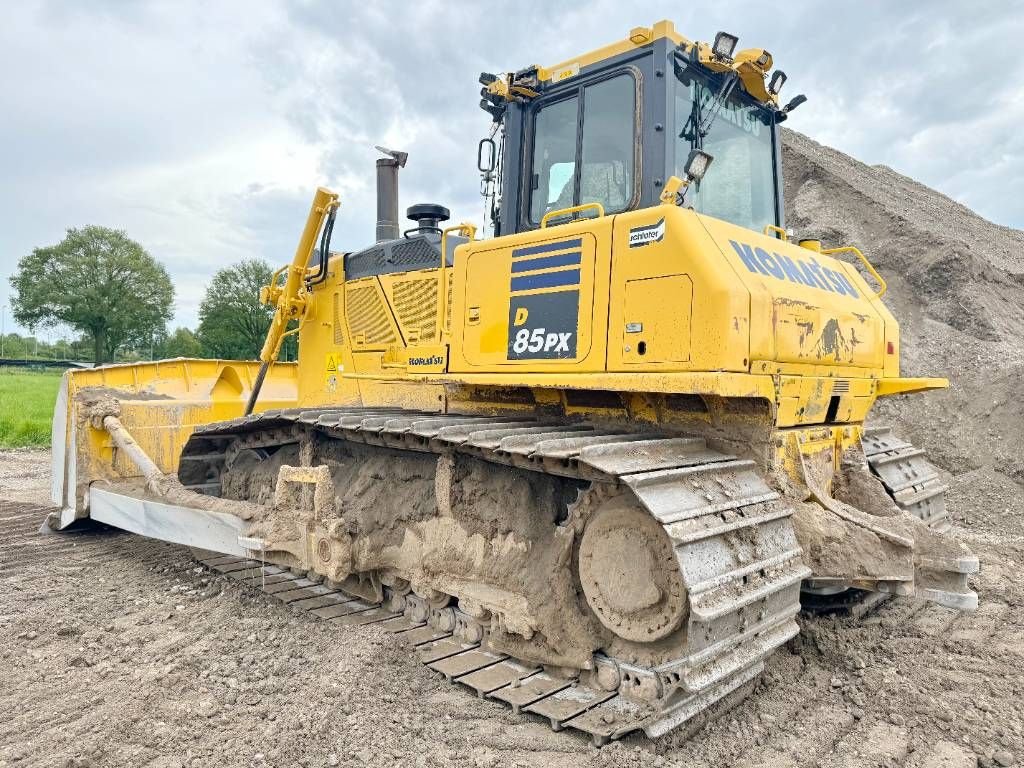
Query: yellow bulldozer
590, 466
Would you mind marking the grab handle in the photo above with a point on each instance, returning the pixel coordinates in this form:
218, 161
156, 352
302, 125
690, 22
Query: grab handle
575, 209
882, 287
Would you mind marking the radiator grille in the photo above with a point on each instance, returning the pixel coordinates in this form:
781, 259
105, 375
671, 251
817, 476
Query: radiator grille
841, 387
339, 333
416, 307
448, 314
368, 317
415, 252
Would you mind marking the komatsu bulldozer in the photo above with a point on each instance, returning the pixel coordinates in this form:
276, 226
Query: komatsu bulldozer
590, 466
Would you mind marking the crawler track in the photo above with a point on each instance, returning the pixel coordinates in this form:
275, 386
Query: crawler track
911, 480
731, 533
914, 485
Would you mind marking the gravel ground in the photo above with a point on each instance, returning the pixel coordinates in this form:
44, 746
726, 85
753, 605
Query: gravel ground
120, 651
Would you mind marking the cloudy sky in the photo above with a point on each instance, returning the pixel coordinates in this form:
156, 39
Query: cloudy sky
202, 128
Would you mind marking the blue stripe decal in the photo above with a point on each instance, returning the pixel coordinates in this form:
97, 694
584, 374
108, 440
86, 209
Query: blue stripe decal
546, 262
546, 280
548, 247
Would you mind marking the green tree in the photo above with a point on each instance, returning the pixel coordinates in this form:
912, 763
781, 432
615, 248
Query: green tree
181, 343
14, 346
232, 322
98, 281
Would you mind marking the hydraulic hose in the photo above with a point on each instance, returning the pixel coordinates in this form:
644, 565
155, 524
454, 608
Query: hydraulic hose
256, 387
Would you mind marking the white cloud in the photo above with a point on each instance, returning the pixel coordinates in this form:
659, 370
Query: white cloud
202, 128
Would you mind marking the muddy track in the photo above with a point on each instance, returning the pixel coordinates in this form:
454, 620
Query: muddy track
911, 480
716, 509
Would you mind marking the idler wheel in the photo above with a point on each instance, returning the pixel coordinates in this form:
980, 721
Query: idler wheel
629, 572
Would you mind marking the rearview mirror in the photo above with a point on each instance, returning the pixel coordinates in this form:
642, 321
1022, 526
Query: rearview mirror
486, 156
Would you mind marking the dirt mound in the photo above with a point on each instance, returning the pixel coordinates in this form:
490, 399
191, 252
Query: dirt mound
956, 284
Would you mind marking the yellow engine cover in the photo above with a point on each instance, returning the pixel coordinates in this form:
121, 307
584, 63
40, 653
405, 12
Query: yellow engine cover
659, 300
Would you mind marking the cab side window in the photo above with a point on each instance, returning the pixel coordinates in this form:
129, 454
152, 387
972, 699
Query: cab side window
607, 147
584, 149
554, 157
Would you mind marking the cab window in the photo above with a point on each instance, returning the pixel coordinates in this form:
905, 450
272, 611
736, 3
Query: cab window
739, 186
596, 164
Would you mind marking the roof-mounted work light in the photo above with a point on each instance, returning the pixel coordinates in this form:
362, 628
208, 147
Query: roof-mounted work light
724, 45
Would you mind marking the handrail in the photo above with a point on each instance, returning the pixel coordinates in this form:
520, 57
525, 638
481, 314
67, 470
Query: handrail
863, 260
567, 211
469, 230
777, 230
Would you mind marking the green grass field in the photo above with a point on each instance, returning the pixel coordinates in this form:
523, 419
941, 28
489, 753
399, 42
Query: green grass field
26, 406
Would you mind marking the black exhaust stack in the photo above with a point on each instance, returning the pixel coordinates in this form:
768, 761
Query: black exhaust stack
387, 193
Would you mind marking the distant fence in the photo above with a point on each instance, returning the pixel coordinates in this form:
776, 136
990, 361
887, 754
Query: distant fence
6, 362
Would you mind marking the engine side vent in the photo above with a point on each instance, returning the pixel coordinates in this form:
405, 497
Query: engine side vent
339, 331
415, 252
416, 307
448, 314
369, 262
368, 317
841, 387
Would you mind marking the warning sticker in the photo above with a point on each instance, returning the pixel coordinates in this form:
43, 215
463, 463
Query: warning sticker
332, 363
332, 370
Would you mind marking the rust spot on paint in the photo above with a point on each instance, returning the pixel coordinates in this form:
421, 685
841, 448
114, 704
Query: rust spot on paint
788, 302
832, 342
806, 329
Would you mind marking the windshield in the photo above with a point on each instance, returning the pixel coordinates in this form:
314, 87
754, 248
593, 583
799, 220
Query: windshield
739, 186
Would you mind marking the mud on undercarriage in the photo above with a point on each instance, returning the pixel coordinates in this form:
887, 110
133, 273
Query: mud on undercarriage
619, 581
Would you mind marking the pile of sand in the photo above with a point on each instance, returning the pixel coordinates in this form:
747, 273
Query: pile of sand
956, 284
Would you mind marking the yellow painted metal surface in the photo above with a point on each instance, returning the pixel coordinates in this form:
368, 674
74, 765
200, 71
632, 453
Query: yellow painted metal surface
698, 307
793, 446
290, 299
716, 335
899, 386
161, 403
639, 36
496, 282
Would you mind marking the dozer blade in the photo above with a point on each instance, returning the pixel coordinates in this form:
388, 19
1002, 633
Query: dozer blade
160, 404
879, 524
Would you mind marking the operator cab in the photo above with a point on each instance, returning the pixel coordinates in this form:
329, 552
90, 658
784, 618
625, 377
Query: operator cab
611, 127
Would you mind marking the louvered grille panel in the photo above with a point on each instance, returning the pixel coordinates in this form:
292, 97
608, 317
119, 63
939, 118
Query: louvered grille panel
339, 332
448, 314
416, 306
368, 316
415, 252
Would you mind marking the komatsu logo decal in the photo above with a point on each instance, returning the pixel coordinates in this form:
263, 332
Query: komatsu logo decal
432, 360
809, 273
651, 233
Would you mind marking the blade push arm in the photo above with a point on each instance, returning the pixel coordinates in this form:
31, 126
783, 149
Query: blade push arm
288, 299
